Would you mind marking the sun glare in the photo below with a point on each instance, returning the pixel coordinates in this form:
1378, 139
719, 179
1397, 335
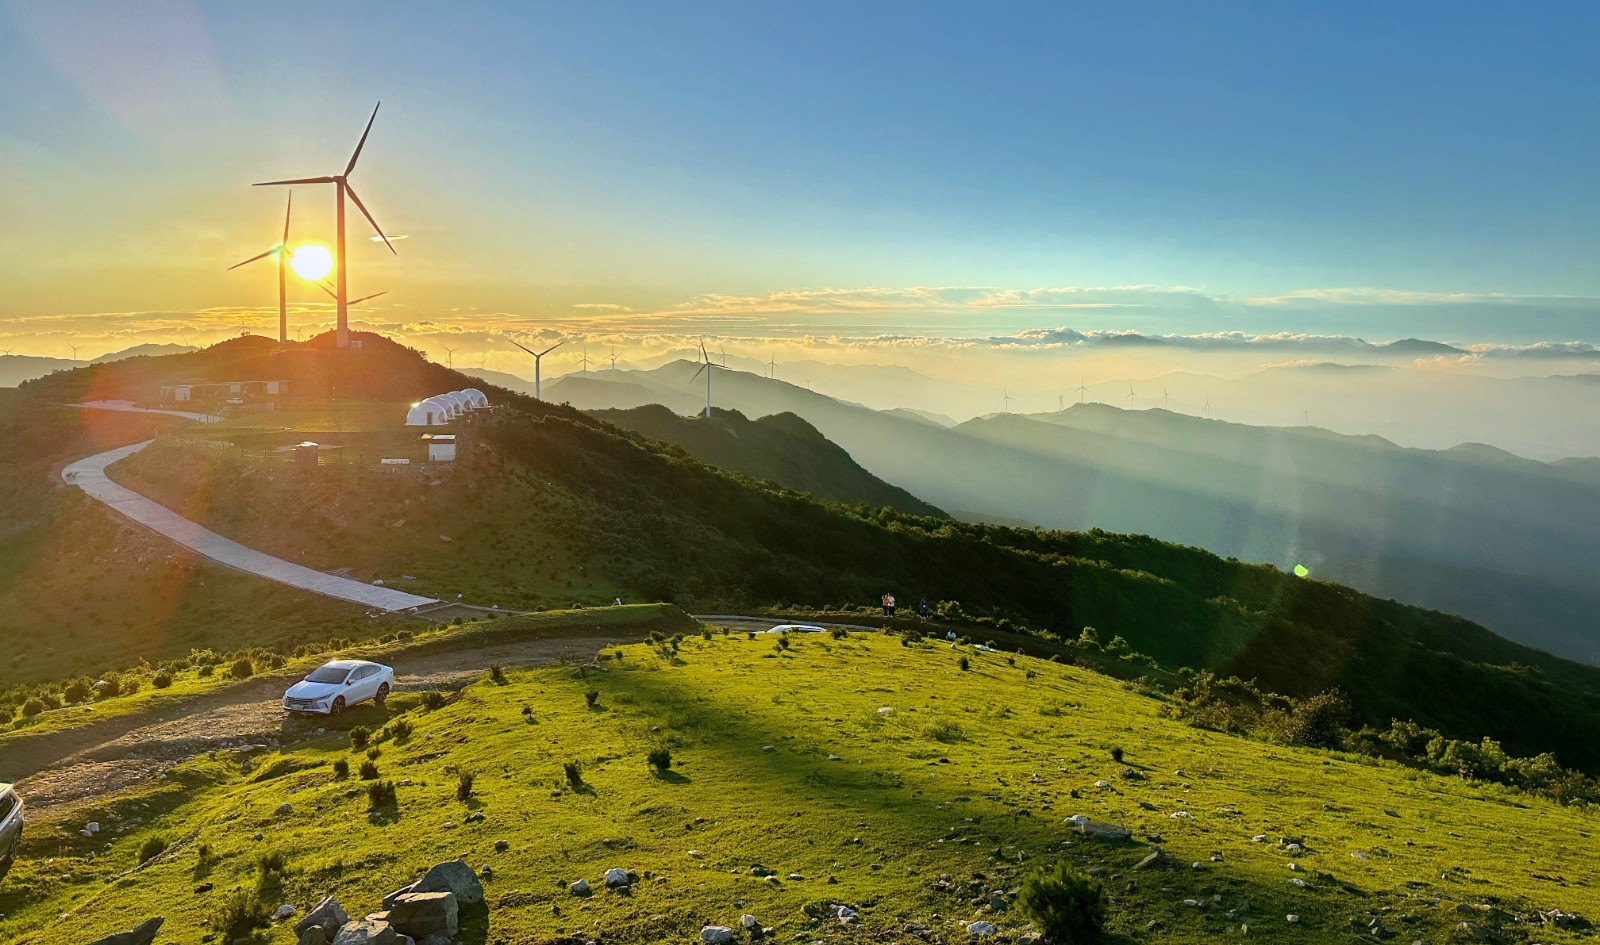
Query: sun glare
311, 261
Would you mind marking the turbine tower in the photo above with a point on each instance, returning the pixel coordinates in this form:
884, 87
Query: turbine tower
538, 356
282, 252
1166, 398
1081, 390
706, 364
772, 364
1005, 400
585, 359
449, 356
342, 188
1130, 396
74, 351
1208, 408
612, 357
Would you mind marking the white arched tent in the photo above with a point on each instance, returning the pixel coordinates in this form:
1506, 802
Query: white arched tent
440, 409
476, 399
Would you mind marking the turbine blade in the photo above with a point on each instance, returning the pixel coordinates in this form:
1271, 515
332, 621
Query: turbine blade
367, 298
331, 294
254, 258
362, 143
286, 210
352, 192
298, 180
697, 373
522, 346
551, 348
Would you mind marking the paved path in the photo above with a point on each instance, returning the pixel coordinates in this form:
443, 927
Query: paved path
90, 475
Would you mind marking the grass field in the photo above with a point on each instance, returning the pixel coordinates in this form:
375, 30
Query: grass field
889, 768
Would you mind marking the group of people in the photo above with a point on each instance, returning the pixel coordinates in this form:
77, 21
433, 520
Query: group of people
889, 606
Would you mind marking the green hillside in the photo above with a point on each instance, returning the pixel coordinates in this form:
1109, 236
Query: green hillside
781, 448
854, 771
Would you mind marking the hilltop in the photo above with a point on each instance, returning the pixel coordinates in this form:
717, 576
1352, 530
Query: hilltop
860, 771
782, 448
549, 507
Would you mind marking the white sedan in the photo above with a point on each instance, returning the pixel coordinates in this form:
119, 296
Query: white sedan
335, 686
797, 628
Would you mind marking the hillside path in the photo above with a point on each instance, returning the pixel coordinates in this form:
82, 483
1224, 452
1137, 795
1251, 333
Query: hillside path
89, 474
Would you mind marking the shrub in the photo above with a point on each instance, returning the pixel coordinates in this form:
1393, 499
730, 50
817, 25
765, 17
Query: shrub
945, 732
130, 686
241, 668
705, 634
433, 699
151, 848
1116, 754
381, 794
341, 769
591, 697
497, 673
161, 680
838, 633
369, 771
783, 643
270, 870
204, 855
32, 707
112, 687
399, 730
1318, 720
965, 664
464, 779
373, 752
5, 715
574, 773
240, 915
359, 736
1063, 905
205, 670
76, 691
659, 758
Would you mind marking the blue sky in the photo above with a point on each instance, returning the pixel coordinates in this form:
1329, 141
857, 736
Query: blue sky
547, 156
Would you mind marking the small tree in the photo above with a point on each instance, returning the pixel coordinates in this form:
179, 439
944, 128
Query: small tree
464, 779
241, 668
359, 736
659, 758
1066, 907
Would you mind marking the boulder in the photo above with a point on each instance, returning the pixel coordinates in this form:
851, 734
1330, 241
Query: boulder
980, 928
451, 876
421, 914
327, 915
716, 935
580, 887
748, 921
1110, 833
285, 808
144, 934
366, 932
616, 877
283, 912
316, 935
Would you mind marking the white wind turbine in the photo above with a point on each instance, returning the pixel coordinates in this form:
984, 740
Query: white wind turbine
538, 357
706, 364
1081, 390
1005, 400
282, 252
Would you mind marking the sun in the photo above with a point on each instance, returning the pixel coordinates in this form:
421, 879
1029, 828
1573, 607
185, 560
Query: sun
311, 261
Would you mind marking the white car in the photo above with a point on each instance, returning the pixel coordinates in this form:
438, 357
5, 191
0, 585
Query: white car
796, 628
10, 827
335, 686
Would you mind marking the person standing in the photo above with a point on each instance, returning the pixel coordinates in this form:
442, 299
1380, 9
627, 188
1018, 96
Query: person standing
888, 605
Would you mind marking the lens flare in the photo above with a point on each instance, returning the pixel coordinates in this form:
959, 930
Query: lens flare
311, 262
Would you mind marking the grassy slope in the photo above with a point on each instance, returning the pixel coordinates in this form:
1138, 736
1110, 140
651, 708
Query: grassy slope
781, 448
583, 513
986, 800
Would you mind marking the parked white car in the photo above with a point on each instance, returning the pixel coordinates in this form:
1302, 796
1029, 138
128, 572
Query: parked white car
335, 686
797, 628
10, 827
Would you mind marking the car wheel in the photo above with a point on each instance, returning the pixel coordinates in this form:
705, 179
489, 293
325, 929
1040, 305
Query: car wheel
337, 707
381, 694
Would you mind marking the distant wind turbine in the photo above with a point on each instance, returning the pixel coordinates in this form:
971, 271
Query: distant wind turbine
1130, 396
342, 187
724, 352
282, 252
1166, 399
585, 359
772, 365
74, 351
1081, 390
612, 357
1208, 408
706, 364
1061, 401
1005, 400
449, 356
538, 356
7, 351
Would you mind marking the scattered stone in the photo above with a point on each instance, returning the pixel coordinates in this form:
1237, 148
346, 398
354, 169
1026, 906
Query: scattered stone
616, 878
763, 748
283, 912
1153, 859
1182, 815
748, 921
367, 931
1358, 855
795, 877
421, 914
1297, 881
832, 757
1292, 919
580, 887
451, 876
203, 888
695, 854
716, 935
501, 846
1110, 833
143, 934
285, 808
980, 928
327, 915
1391, 813
1102, 784
1259, 838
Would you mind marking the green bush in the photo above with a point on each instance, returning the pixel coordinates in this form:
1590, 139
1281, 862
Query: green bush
359, 736
112, 687
152, 847
464, 779
659, 758
161, 680
433, 699
964, 663
341, 769
574, 773
497, 673
205, 670
76, 691
32, 707
591, 697
369, 771
1116, 754
381, 794
241, 668
838, 633
1065, 907
399, 730
240, 915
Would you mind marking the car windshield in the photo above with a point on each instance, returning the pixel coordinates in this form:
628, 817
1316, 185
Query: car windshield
328, 674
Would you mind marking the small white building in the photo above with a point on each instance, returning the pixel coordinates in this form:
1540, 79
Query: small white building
441, 409
441, 447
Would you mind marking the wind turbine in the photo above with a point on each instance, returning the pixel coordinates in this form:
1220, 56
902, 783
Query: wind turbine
585, 359
612, 357
7, 351
1165, 398
326, 288
724, 352
1208, 408
449, 356
1081, 390
706, 364
1061, 401
772, 365
1005, 399
282, 252
538, 356
1130, 396
342, 187
74, 351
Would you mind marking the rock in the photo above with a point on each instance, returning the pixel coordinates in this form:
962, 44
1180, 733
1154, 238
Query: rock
579, 887
748, 921
1182, 815
285, 808
980, 928
451, 876
1259, 838
316, 935
327, 914
1297, 881
366, 932
716, 935
1473, 932
695, 854
1110, 833
143, 934
501, 846
1102, 784
283, 912
421, 914
763, 748
616, 878
833, 757
1292, 919
203, 888
795, 877
1154, 859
